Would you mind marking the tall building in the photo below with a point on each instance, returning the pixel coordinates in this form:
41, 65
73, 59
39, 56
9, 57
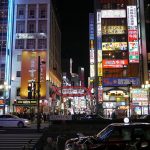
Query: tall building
119, 56
35, 51
5, 52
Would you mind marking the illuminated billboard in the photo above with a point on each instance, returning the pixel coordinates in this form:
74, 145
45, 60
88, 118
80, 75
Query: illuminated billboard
114, 13
114, 63
132, 16
113, 29
139, 95
133, 52
92, 70
92, 57
132, 34
29, 71
100, 69
121, 81
114, 46
99, 45
91, 26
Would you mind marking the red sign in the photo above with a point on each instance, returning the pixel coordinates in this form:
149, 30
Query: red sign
132, 35
114, 63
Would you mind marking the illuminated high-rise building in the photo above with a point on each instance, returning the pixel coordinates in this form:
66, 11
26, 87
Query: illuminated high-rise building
5, 51
35, 49
118, 59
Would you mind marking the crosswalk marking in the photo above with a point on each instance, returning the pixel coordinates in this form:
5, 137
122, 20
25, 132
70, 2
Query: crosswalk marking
18, 141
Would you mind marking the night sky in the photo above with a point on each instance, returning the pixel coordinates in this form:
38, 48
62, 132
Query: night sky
73, 19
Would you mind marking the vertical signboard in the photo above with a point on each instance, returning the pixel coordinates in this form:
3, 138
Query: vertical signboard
91, 26
29, 71
91, 44
99, 55
132, 34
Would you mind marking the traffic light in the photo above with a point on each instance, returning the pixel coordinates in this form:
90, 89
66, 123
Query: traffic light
29, 90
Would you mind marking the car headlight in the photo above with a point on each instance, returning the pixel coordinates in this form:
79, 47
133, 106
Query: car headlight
26, 121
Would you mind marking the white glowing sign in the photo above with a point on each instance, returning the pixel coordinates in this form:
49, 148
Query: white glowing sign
131, 16
91, 56
139, 94
92, 70
30, 35
114, 13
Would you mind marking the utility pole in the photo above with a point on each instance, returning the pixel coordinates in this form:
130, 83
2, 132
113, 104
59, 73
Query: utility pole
38, 97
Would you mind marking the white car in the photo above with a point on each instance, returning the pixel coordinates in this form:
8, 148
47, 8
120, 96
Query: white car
9, 120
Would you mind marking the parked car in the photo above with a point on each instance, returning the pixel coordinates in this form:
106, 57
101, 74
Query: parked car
116, 136
8, 120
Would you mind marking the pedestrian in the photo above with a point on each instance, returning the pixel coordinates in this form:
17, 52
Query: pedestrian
50, 145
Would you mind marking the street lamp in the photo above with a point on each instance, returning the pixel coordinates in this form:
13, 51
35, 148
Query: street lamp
5, 88
147, 87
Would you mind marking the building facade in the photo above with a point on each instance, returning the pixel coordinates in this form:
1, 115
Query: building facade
35, 51
118, 56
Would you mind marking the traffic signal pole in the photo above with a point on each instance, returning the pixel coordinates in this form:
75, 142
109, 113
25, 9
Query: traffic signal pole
38, 97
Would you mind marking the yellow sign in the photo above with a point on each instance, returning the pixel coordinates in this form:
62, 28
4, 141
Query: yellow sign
113, 29
100, 69
114, 46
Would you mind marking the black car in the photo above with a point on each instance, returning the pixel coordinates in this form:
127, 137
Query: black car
116, 136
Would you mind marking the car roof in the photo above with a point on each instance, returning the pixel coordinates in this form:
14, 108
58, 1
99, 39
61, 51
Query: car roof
130, 124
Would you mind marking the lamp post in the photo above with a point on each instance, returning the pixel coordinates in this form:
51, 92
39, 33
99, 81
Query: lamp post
147, 87
38, 93
5, 87
38, 97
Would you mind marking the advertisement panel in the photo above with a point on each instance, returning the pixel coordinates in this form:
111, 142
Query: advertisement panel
92, 70
91, 26
29, 71
114, 63
121, 81
114, 46
99, 55
113, 29
132, 35
100, 94
114, 13
92, 57
100, 69
133, 52
132, 17
139, 95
